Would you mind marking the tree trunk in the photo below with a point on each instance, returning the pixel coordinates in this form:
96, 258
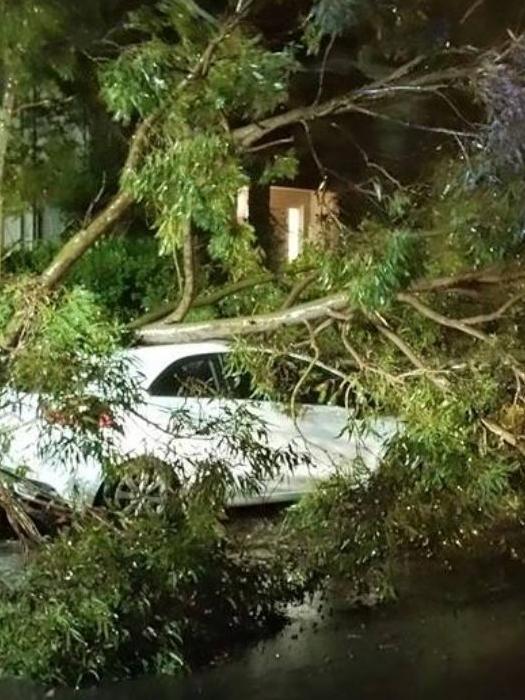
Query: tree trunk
6, 117
84, 239
188, 291
244, 325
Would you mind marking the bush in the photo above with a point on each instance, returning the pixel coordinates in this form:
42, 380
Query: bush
126, 274
109, 602
358, 531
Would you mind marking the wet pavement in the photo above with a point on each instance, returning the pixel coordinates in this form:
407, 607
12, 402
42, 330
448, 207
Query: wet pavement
421, 649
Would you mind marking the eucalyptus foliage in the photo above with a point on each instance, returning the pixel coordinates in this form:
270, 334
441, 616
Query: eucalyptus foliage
104, 602
125, 274
193, 175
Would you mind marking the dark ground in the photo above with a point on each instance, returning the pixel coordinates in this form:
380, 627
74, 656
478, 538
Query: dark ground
461, 637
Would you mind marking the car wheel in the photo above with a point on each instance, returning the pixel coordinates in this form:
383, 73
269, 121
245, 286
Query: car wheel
146, 485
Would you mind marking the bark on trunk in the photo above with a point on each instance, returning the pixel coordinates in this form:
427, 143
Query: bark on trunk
244, 325
84, 239
103, 221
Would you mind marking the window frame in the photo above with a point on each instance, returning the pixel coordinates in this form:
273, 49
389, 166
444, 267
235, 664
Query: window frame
209, 356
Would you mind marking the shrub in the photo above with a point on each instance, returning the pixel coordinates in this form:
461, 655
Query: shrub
125, 274
105, 601
358, 530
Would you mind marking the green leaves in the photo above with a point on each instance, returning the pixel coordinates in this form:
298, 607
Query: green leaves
236, 248
334, 16
378, 276
192, 173
194, 178
247, 80
141, 79
282, 167
145, 595
70, 360
26, 27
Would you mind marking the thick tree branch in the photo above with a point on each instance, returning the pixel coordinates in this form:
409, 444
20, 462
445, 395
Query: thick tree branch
457, 325
227, 327
245, 137
119, 204
104, 220
244, 325
250, 134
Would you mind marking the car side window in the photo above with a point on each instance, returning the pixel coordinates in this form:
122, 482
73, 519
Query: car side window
191, 377
235, 385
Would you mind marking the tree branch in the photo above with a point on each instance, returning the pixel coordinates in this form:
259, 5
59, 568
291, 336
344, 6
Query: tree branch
104, 220
250, 134
495, 315
204, 300
503, 434
440, 382
444, 284
243, 325
361, 363
425, 310
470, 277
85, 238
188, 290
298, 289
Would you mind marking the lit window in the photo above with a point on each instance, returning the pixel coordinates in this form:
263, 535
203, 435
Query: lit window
295, 232
243, 205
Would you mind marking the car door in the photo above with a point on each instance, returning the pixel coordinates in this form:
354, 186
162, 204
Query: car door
182, 400
324, 434
199, 388
203, 388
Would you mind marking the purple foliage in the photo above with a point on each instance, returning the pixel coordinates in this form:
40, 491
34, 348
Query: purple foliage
335, 16
502, 88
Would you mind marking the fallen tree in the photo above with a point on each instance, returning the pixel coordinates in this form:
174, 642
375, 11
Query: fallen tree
418, 311
214, 55
167, 332
162, 334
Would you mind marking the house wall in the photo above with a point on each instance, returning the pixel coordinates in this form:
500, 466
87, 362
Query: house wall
320, 210
31, 226
268, 210
282, 199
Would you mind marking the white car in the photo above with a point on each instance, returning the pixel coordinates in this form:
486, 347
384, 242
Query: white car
166, 375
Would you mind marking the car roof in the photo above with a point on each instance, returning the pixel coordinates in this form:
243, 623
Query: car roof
151, 360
